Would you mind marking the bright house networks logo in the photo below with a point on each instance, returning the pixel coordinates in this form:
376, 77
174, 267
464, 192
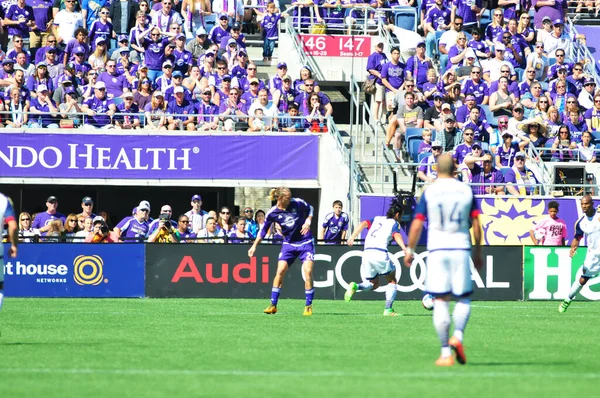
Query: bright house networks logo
88, 270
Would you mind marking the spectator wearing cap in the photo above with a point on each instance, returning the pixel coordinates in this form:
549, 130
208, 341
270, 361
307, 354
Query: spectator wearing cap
123, 16
70, 109
522, 179
433, 113
99, 56
87, 207
392, 77
239, 69
66, 22
221, 30
464, 148
493, 66
131, 229
51, 42
166, 80
80, 40
100, 232
43, 109
250, 96
463, 71
126, 67
196, 215
545, 30
417, 66
115, 83
235, 34
436, 21
276, 83
199, 44
476, 86
427, 171
180, 112
40, 76
555, 11
223, 93
183, 57
462, 112
169, 50
166, 16
177, 81
154, 52
122, 46
450, 136
155, 112
586, 97
557, 40
55, 68
99, 108
483, 173
505, 153
208, 112
101, 28
127, 116
19, 19
43, 220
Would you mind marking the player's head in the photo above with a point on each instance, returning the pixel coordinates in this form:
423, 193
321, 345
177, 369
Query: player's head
281, 195
445, 165
587, 204
395, 210
553, 209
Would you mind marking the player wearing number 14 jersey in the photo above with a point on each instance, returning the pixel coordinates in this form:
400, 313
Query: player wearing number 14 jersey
375, 258
449, 207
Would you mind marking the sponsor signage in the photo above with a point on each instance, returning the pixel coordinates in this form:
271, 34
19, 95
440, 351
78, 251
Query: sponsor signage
549, 273
336, 46
213, 270
75, 270
506, 220
153, 156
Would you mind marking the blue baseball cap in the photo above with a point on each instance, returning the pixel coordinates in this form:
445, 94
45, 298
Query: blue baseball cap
197, 197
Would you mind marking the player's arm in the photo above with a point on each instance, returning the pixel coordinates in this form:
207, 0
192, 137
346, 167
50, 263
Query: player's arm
532, 236
357, 231
399, 240
478, 259
260, 236
321, 233
13, 228
308, 221
576, 239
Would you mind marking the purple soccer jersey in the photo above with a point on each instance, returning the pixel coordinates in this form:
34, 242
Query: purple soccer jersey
40, 12
376, 62
132, 229
115, 84
479, 90
183, 60
45, 218
15, 13
438, 16
507, 156
100, 29
334, 226
154, 56
394, 74
100, 106
269, 25
461, 151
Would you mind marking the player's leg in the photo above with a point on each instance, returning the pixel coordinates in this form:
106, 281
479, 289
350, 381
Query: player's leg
591, 268
282, 267
306, 253
390, 293
462, 288
438, 284
368, 274
1, 282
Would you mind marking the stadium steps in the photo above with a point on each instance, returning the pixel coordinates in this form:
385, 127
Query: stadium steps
583, 18
255, 197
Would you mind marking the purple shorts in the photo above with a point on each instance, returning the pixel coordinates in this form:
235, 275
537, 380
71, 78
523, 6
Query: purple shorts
291, 251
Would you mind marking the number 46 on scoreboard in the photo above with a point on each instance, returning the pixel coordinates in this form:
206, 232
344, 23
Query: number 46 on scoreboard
336, 46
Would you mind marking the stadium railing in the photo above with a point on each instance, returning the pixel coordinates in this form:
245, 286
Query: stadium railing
581, 52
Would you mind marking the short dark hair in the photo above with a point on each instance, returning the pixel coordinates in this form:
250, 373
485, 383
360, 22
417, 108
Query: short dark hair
338, 202
553, 205
395, 48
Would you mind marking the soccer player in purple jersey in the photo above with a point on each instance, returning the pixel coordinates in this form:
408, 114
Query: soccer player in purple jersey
294, 216
7, 215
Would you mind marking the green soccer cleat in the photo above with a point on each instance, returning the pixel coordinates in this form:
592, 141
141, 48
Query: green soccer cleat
564, 305
390, 312
352, 288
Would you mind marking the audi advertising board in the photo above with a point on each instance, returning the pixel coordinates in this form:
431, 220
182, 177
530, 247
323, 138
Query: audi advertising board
219, 270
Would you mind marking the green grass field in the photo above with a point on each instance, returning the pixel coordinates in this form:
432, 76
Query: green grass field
228, 348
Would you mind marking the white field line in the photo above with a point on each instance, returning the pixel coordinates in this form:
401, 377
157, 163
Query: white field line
292, 373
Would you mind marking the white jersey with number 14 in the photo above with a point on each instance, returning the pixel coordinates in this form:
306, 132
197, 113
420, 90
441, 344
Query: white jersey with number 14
448, 206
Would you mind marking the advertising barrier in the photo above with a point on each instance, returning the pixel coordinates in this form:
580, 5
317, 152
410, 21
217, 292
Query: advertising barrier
75, 270
158, 156
549, 272
213, 270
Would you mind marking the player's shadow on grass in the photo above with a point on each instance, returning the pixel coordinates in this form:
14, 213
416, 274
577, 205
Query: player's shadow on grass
524, 363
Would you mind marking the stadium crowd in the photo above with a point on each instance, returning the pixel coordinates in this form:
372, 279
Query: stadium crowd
487, 91
166, 65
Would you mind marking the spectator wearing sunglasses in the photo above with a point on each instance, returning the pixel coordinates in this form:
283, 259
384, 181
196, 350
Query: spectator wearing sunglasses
101, 27
481, 171
427, 171
26, 232
586, 96
538, 61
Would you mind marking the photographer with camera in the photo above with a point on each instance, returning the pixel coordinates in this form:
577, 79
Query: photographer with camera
164, 233
100, 232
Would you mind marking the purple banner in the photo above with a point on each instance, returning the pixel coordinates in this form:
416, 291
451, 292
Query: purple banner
243, 157
505, 220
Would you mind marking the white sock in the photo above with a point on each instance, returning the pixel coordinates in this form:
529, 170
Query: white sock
365, 286
1, 298
575, 288
390, 295
441, 323
460, 315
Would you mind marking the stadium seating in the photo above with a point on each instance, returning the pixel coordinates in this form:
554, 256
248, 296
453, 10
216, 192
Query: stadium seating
492, 120
405, 18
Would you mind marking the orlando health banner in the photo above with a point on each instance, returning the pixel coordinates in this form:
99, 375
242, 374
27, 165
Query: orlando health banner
97, 155
75, 270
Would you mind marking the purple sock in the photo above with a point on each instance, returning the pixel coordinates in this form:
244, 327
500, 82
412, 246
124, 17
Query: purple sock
275, 295
310, 294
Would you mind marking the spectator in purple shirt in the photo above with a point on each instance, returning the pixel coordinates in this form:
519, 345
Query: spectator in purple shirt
477, 87
42, 14
123, 119
40, 107
466, 147
180, 112
116, 84
42, 221
19, 20
335, 224
485, 175
99, 108
135, 228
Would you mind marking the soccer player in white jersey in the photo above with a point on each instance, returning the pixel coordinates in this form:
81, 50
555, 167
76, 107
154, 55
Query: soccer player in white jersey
450, 208
375, 258
7, 215
588, 225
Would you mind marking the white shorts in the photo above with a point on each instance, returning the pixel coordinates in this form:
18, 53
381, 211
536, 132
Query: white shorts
591, 266
449, 271
375, 263
379, 92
